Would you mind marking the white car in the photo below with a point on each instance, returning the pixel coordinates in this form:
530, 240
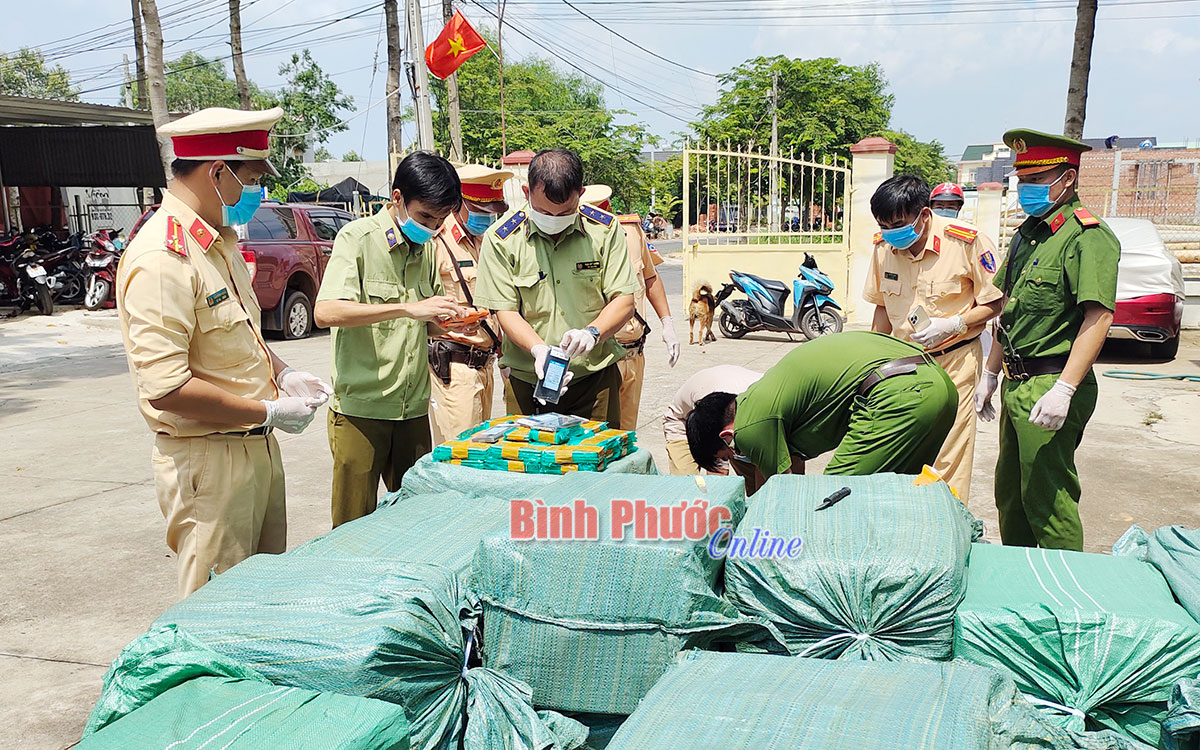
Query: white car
1149, 289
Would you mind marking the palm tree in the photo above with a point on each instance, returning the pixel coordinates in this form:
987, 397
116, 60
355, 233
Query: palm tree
1081, 65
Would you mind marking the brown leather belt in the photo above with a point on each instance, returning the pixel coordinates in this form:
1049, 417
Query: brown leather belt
1024, 368
959, 345
634, 347
264, 430
902, 366
471, 356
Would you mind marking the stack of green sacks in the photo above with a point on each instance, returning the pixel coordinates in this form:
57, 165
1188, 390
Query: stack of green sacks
364, 627
1175, 551
731, 701
241, 714
430, 477
879, 574
591, 625
1095, 640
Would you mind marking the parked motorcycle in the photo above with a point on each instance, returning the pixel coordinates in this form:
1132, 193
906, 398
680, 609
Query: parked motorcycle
814, 312
23, 282
65, 267
102, 258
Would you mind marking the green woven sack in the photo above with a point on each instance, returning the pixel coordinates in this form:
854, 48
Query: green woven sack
359, 626
1181, 727
591, 625
730, 701
220, 712
1175, 551
879, 573
427, 477
1083, 635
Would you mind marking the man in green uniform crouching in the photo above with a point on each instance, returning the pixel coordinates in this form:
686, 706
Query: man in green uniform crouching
881, 404
1060, 284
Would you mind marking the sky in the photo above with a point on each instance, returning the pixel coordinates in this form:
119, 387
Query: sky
961, 72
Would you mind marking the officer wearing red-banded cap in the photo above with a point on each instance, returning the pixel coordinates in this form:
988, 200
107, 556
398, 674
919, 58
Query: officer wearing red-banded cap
208, 385
946, 200
1059, 282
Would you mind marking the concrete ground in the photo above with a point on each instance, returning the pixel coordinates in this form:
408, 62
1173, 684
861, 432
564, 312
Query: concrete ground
85, 567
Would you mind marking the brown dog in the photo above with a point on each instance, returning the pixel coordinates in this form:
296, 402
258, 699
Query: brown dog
700, 314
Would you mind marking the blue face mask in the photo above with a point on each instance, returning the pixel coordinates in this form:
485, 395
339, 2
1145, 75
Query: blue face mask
416, 232
903, 237
477, 223
949, 213
1035, 199
242, 211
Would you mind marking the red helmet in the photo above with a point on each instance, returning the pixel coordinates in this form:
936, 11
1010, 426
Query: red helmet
946, 191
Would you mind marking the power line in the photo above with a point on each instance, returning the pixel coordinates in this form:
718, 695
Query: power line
635, 44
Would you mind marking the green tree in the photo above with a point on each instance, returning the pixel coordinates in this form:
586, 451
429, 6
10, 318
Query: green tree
546, 108
194, 82
312, 106
925, 160
25, 73
322, 154
351, 155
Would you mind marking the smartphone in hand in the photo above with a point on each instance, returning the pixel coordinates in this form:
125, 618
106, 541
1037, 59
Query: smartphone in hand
549, 388
918, 319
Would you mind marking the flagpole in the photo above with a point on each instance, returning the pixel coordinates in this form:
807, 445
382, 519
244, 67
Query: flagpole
500, 57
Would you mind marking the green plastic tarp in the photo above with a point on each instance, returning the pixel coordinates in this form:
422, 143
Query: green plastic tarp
591, 625
739, 701
361, 627
1094, 640
1181, 727
226, 713
879, 573
1175, 551
427, 477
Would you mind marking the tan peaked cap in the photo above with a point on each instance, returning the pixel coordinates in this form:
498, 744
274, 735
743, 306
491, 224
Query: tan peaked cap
222, 133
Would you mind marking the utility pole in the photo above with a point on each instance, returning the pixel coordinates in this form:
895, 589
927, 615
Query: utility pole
1081, 67
776, 208
128, 84
452, 111
235, 41
500, 59
392, 91
139, 52
420, 76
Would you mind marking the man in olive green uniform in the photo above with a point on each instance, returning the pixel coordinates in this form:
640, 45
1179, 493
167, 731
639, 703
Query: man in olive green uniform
381, 295
881, 404
1060, 280
557, 272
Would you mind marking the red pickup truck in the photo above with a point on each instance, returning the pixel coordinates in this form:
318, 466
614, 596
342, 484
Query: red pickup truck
286, 246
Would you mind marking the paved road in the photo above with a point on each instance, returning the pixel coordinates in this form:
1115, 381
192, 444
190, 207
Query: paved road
85, 568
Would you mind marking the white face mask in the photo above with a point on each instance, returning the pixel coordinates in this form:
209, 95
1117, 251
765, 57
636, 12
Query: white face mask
549, 224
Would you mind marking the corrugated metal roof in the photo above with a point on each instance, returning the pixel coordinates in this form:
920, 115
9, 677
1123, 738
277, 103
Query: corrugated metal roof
81, 156
21, 110
975, 153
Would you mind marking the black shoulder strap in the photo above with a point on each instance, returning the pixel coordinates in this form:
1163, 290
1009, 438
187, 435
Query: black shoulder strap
640, 319
462, 282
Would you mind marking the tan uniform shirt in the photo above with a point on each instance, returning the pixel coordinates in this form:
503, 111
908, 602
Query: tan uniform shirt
949, 276
643, 269
187, 309
454, 248
719, 379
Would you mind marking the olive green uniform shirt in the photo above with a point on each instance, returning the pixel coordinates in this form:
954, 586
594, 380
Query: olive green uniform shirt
1055, 264
801, 406
556, 286
380, 370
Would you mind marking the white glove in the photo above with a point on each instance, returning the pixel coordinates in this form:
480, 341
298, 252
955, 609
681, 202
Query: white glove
295, 382
671, 340
291, 413
540, 352
506, 372
938, 330
983, 395
1050, 411
577, 342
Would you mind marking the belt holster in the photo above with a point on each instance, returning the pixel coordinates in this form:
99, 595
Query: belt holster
439, 360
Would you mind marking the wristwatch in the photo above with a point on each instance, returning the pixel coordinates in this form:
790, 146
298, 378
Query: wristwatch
594, 331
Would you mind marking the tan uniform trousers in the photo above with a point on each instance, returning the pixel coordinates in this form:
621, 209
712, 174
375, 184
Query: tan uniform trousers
223, 498
632, 368
682, 464
461, 405
957, 458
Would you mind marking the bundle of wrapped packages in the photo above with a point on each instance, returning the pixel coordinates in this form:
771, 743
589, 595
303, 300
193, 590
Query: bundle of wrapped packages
881, 569
542, 444
243, 714
362, 627
735, 701
549, 429
1093, 640
605, 578
1175, 551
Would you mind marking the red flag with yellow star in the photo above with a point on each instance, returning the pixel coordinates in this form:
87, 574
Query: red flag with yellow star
453, 46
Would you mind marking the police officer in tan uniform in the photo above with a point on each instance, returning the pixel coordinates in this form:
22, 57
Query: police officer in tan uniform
462, 364
649, 287
207, 384
945, 267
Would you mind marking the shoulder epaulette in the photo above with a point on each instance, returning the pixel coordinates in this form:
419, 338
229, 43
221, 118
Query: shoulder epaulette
1085, 217
510, 226
175, 238
629, 218
965, 234
878, 238
600, 217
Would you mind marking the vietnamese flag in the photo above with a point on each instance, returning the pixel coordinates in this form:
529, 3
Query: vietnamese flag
453, 46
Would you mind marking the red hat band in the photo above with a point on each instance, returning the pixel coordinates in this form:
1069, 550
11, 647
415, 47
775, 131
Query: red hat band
216, 145
483, 193
1036, 156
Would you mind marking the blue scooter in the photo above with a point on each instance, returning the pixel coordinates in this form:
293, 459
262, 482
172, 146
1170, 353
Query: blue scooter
814, 311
